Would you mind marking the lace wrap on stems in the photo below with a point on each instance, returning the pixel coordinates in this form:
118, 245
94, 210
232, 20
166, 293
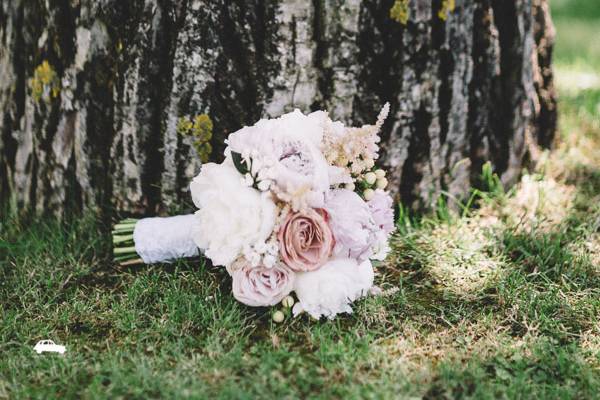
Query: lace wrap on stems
164, 239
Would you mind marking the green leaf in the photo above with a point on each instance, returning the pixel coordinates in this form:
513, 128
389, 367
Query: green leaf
239, 163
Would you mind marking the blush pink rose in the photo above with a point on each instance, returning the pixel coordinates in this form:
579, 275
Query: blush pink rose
305, 240
261, 286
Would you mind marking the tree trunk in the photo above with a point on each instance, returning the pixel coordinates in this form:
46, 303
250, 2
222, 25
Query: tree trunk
98, 99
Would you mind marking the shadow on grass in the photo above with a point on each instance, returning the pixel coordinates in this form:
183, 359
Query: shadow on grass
543, 371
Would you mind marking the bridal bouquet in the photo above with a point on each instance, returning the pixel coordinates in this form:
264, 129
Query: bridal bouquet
296, 206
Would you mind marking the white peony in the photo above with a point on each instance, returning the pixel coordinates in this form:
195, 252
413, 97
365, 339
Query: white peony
231, 215
331, 289
286, 157
267, 134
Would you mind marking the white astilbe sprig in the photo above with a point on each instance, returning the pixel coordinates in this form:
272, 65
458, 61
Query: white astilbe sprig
353, 148
383, 114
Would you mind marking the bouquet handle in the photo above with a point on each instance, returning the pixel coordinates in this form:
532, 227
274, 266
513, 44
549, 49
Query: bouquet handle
154, 240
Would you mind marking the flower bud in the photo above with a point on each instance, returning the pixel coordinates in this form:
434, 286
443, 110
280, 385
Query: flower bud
369, 163
350, 186
370, 178
287, 301
382, 183
278, 316
380, 173
368, 194
264, 185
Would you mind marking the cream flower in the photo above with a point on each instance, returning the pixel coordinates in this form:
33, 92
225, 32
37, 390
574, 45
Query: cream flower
331, 289
231, 216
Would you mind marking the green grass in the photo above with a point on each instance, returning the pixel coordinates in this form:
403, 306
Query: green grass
167, 331
500, 302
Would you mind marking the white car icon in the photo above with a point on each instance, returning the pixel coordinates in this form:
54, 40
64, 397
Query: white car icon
50, 346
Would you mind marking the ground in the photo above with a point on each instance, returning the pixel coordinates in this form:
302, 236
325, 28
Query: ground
501, 301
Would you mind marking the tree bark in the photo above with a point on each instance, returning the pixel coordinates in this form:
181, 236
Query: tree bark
93, 93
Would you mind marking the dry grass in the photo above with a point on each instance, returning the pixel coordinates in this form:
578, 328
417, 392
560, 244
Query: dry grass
416, 351
460, 257
573, 80
590, 344
539, 202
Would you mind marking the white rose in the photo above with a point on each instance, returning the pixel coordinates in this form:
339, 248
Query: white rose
331, 289
231, 215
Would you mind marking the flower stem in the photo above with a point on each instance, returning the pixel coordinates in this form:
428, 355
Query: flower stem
123, 245
124, 250
122, 238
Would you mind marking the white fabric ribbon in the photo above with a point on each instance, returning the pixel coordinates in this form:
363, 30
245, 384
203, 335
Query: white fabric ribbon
164, 239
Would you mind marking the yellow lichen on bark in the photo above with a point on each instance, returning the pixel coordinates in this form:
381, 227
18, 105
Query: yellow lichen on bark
446, 8
45, 83
200, 129
400, 11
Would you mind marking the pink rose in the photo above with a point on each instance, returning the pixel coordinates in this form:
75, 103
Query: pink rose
305, 240
382, 210
262, 286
